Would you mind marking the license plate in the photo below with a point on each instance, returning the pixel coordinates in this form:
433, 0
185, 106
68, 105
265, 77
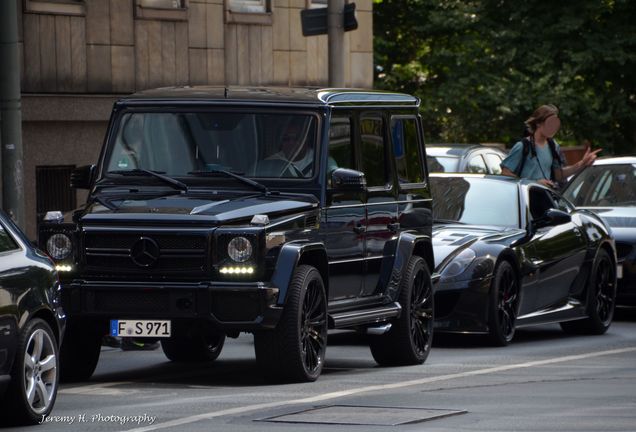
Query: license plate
619, 271
140, 328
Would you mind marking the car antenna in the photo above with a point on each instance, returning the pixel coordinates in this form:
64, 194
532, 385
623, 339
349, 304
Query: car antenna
225, 93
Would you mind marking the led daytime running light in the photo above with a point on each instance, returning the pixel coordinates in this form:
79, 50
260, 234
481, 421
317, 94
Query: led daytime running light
237, 270
63, 268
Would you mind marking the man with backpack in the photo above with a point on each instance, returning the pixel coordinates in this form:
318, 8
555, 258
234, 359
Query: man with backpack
537, 156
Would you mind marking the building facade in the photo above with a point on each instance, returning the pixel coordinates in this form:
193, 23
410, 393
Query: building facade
79, 56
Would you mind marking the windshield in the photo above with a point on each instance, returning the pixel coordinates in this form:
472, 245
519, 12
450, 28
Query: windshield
604, 186
186, 144
442, 163
475, 201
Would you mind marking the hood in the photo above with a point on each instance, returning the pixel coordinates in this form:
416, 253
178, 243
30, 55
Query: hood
449, 240
189, 208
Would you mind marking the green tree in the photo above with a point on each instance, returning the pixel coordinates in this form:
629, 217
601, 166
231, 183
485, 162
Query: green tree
481, 67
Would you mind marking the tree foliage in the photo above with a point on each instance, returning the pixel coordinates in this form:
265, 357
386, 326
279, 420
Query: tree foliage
481, 67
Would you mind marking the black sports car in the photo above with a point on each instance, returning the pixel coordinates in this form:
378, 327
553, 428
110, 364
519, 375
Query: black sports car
608, 188
31, 329
513, 253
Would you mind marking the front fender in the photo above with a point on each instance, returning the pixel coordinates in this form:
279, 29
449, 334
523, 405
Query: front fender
288, 259
408, 244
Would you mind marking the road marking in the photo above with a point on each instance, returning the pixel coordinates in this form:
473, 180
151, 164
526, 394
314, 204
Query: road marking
380, 387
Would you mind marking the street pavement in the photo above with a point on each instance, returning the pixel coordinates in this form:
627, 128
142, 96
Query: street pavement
544, 381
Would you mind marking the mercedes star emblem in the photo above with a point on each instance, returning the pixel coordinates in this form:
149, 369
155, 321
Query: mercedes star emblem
145, 252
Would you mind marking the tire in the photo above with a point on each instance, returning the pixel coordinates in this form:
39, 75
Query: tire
295, 350
601, 298
33, 388
80, 351
411, 335
196, 345
504, 304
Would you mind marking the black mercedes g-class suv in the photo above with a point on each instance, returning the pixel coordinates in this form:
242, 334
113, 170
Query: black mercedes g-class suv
276, 211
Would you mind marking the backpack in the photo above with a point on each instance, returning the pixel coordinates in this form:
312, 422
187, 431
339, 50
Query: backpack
528, 146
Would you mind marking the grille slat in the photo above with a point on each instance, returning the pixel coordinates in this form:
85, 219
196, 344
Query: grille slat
111, 252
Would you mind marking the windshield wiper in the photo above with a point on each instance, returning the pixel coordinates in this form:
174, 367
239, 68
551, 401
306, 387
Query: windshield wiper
204, 173
138, 171
105, 202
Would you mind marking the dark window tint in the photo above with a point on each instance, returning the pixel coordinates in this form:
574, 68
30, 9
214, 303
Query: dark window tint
604, 185
375, 161
340, 145
406, 150
476, 165
6, 242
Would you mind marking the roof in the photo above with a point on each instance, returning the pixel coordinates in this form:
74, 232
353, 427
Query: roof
501, 178
616, 160
285, 95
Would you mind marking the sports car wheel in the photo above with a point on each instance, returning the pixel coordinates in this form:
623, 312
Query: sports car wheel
295, 349
33, 388
410, 338
504, 304
601, 298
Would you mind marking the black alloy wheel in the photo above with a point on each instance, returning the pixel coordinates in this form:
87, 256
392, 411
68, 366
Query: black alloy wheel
601, 298
504, 304
410, 338
195, 344
295, 350
80, 350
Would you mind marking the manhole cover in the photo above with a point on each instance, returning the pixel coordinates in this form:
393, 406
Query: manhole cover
363, 415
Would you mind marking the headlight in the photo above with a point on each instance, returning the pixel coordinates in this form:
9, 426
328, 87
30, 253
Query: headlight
239, 249
459, 263
59, 246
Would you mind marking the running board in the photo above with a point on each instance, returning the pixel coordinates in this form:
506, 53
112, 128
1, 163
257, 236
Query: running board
367, 316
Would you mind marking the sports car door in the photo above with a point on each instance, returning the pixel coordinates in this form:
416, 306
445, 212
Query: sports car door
557, 251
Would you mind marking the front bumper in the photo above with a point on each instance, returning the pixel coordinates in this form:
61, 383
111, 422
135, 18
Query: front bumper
626, 293
462, 307
228, 305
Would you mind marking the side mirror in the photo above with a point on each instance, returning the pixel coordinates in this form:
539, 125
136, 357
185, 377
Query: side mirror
344, 179
552, 217
83, 177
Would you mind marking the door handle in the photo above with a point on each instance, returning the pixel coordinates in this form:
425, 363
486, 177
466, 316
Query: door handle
359, 228
394, 227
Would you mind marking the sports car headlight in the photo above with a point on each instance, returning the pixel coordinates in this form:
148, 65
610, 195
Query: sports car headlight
239, 249
59, 246
459, 264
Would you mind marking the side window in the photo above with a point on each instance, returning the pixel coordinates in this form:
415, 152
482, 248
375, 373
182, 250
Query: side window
406, 149
6, 242
494, 163
340, 145
561, 203
540, 202
476, 165
375, 160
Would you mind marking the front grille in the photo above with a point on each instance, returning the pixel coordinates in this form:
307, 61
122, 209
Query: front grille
111, 253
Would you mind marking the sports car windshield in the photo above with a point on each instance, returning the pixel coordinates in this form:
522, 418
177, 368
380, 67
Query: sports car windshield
475, 201
604, 186
194, 144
